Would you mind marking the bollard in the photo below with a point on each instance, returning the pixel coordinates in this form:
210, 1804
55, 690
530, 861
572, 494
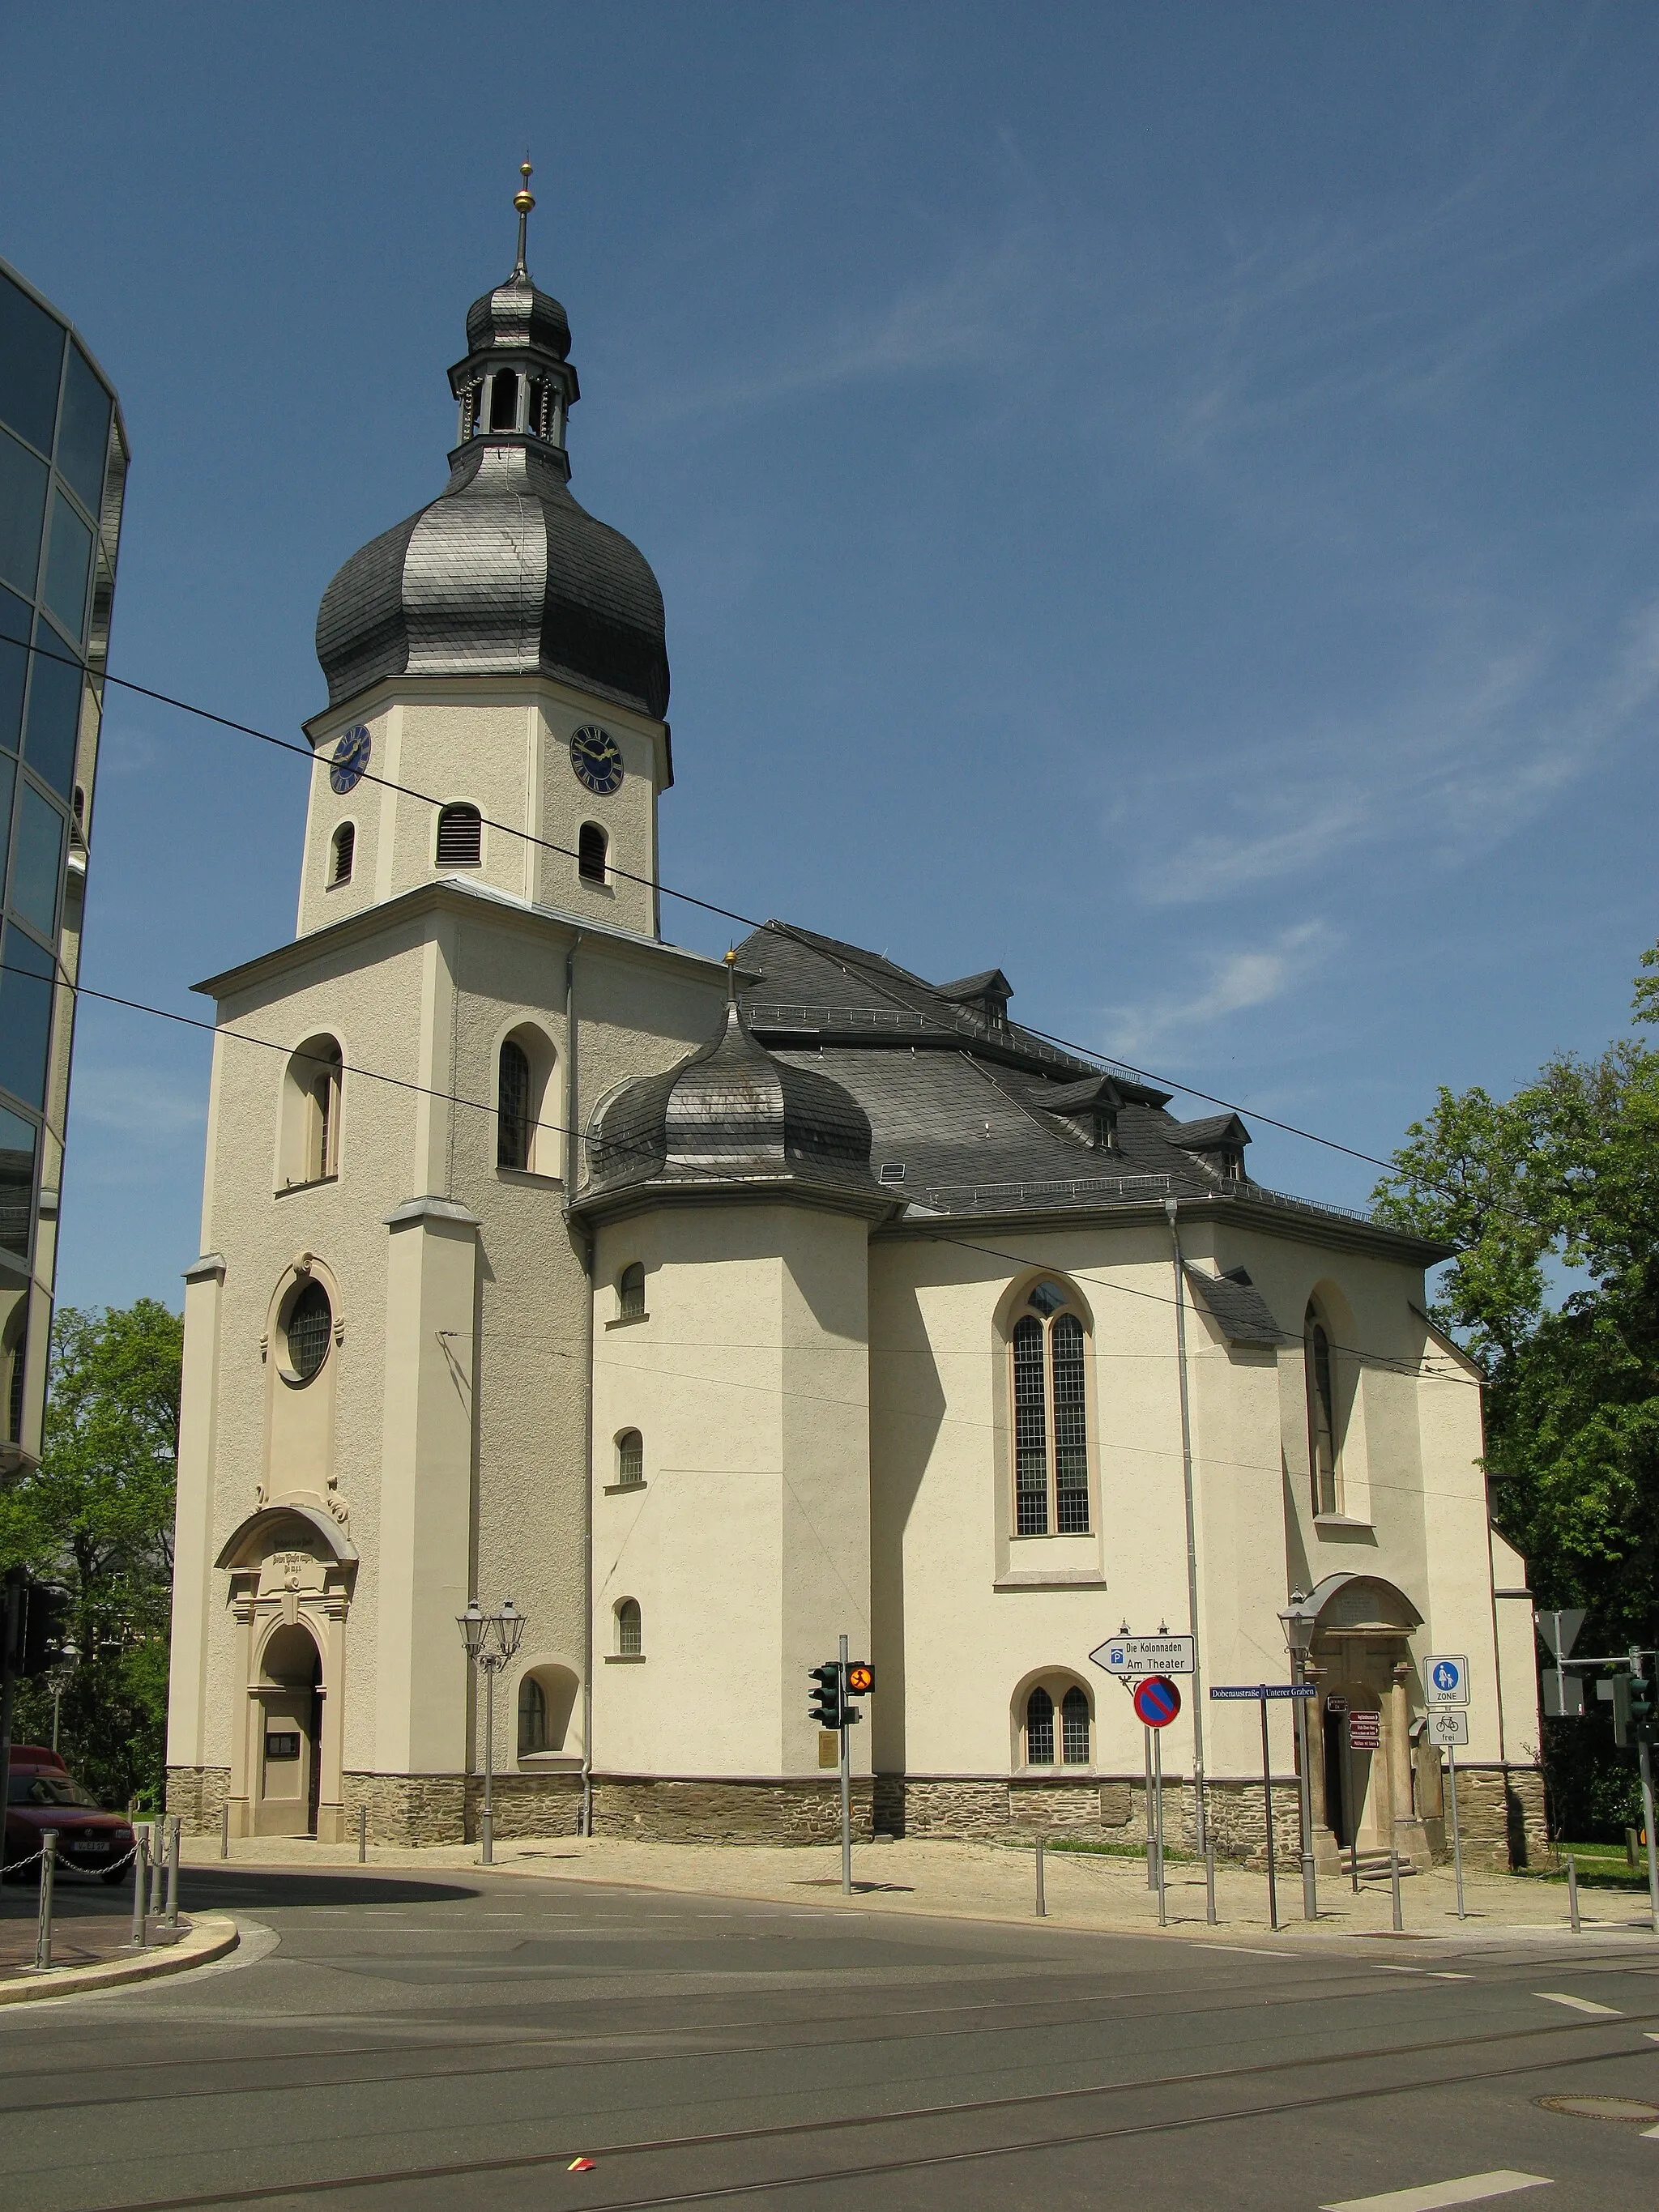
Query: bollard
43, 1930
224, 1831
1394, 1876
140, 1876
362, 1835
1573, 1892
1209, 1880
157, 1864
1042, 1904
174, 1825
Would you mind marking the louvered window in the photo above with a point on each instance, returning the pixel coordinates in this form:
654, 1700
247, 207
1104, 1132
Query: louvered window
630, 1457
1039, 1729
512, 1116
1051, 1423
592, 849
892, 1171
345, 847
460, 837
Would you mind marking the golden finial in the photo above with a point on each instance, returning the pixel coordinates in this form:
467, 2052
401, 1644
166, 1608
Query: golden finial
524, 199
732, 974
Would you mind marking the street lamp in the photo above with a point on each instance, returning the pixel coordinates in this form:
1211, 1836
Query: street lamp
491, 1639
59, 1675
1298, 1627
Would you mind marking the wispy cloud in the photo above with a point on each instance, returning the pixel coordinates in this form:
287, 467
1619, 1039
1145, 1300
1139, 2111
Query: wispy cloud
1235, 983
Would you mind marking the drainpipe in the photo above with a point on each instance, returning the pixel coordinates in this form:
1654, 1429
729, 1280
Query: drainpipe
1169, 1208
572, 1169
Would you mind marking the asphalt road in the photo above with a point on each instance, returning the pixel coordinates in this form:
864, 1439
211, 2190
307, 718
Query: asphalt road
455, 2042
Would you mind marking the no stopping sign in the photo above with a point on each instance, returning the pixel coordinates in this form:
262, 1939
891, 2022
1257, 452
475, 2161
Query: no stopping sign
1156, 1701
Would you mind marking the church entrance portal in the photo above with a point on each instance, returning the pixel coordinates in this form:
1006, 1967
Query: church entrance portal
290, 1699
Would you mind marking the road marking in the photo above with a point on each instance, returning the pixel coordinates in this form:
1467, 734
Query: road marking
1577, 2004
1472, 2188
1249, 1951
1437, 1974
1400, 1969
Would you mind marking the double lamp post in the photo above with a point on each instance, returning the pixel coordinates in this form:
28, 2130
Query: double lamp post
491, 1639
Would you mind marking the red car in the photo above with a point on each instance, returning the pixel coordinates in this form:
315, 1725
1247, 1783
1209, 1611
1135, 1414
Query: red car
43, 1795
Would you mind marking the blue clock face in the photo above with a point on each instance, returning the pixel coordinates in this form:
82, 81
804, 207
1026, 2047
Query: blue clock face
345, 770
594, 757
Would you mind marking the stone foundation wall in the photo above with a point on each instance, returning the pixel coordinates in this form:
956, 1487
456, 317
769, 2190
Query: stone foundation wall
198, 1795
1500, 1819
527, 1805
407, 1808
653, 1810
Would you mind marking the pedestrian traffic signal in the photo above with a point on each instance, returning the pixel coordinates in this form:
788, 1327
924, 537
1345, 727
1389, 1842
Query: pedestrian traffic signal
861, 1678
828, 1706
46, 1627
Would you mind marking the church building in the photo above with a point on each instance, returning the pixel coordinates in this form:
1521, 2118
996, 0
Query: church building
712, 1310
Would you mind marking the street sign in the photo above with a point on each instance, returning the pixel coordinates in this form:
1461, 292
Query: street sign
1336, 1705
1133, 1657
1266, 1690
1449, 1724
1364, 1731
1560, 1630
1446, 1680
1157, 1702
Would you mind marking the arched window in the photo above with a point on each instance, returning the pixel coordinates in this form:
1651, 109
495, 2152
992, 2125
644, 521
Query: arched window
513, 1116
342, 853
1039, 1729
631, 1458
592, 849
307, 1327
1051, 1432
503, 401
532, 1716
1322, 1412
1074, 1728
630, 1291
310, 1113
629, 1634
461, 836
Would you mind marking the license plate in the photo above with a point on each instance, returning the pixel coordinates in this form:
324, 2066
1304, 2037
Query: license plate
90, 1849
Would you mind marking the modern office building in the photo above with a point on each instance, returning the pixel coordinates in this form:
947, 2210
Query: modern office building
63, 472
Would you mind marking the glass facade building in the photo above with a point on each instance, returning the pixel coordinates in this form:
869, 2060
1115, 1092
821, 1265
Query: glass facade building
62, 474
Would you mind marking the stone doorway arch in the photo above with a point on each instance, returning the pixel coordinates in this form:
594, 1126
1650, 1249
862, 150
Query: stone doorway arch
1359, 1661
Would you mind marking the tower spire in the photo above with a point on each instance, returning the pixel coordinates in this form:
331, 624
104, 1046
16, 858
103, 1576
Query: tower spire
524, 199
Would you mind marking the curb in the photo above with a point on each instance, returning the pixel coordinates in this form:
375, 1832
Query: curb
211, 1937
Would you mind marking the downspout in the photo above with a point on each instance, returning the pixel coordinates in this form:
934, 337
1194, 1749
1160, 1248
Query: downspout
1169, 1208
572, 1170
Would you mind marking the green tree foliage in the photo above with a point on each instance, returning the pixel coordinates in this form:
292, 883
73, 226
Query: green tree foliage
1559, 1186
97, 1515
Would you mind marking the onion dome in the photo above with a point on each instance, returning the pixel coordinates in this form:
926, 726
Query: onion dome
732, 1112
503, 574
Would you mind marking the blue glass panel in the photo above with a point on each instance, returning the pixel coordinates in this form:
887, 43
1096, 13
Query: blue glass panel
69, 564
31, 356
8, 785
14, 666
26, 974
54, 713
22, 512
37, 858
17, 1143
83, 433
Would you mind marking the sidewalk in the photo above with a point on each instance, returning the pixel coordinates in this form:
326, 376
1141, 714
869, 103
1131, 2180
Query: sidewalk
91, 1946
994, 1881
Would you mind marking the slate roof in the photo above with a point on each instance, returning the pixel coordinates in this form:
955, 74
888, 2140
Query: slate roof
1236, 1307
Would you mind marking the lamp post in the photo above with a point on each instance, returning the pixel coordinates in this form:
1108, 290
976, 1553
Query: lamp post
59, 1675
491, 1639
1298, 1638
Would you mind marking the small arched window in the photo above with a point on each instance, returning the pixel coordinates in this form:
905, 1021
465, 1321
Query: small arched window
631, 1642
513, 1116
592, 853
1074, 1728
306, 1329
1039, 1729
1051, 1432
310, 1113
461, 836
342, 853
532, 1716
631, 1458
1319, 1380
630, 1291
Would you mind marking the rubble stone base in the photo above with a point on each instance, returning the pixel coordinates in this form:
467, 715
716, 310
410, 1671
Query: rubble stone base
654, 1810
198, 1795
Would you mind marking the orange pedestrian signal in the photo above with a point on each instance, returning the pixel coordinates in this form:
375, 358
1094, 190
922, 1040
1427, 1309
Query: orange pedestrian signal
861, 1678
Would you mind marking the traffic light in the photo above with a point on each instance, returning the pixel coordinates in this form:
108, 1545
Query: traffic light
46, 1627
828, 1706
1643, 1727
1614, 1690
860, 1678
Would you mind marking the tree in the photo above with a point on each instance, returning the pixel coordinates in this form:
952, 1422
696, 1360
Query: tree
1551, 1198
97, 1515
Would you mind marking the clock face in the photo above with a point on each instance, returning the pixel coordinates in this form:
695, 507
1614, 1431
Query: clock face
345, 770
594, 757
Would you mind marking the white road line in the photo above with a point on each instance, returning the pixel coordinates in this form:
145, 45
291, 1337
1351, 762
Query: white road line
1439, 1975
1577, 2004
1250, 1951
1472, 2188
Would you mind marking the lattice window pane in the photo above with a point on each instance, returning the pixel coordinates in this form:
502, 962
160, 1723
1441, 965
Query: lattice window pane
630, 1291
630, 1457
1075, 1728
628, 1636
1030, 1433
1071, 1429
512, 1126
1039, 1729
309, 1324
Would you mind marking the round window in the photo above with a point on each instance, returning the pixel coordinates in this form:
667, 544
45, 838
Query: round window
309, 1321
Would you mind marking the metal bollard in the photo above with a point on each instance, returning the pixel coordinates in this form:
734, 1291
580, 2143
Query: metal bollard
224, 1832
1209, 1881
1042, 1903
174, 1825
1394, 1875
362, 1835
157, 1864
43, 1930
1573, 1892
140, 1876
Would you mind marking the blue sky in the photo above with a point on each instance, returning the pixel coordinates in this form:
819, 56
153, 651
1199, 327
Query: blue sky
1163, 499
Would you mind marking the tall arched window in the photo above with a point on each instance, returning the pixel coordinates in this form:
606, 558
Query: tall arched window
631, 1458
1322, 1412
311, 1112
461, 836
1039, 1729
1057, 1725
532, 1716
630, 1291
342, 853
513, 1114
631, 1642
1074, 1728
592, 852
1051, 1430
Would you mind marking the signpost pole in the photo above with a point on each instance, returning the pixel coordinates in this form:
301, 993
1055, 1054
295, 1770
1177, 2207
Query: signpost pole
1157, 1736
1457, 1840
1646, 1760
1267, 1801
1151, 1846
846, 1785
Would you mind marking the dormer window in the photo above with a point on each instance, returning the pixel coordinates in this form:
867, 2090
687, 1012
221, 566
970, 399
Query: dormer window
1103, 1129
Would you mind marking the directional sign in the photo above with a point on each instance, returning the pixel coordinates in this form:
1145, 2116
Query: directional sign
1157, 1702
1336, 1705
1364, 1731
1266, 1690
1137, 1656
1446, 1680
1450, 1724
